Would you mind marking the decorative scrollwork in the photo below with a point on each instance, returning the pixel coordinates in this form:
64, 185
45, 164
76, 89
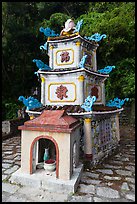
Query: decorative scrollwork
116, 102
87, 105
48, 32
96, 37
106, 70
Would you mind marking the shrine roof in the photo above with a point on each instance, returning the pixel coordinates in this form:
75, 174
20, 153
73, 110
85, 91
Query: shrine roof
77, 110
71, 70
71, 37
52, 121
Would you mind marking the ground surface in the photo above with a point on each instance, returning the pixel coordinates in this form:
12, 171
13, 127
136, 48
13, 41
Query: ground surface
111, 181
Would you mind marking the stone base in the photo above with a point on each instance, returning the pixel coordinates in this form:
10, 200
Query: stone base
48, 180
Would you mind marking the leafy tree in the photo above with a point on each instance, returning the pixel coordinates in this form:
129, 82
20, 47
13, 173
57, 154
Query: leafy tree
117, 21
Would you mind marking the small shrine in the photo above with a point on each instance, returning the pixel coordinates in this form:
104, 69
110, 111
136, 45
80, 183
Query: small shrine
73, 112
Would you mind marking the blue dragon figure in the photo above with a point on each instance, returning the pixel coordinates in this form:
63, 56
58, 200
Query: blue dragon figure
96, 37
78, 26
82, 62
48, 32
30, 102
116, 102
106, 70
41, 65
87, 105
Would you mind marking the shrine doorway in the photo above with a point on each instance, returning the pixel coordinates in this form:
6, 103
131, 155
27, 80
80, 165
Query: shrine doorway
37, 152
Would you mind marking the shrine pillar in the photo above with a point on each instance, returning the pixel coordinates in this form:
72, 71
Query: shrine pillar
81, 87
43, 90
87, 138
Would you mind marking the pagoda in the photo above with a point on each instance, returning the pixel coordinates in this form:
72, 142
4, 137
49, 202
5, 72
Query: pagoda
73, 113
70, 78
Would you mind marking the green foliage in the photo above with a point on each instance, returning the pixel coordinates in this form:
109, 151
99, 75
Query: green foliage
117, 21
10, 108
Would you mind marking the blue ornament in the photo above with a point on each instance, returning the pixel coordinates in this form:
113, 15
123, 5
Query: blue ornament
41, 65
106, 70
82, 62
45, 47
48, 32
78, 26
116, 102
30, 102
96, 37
87, 105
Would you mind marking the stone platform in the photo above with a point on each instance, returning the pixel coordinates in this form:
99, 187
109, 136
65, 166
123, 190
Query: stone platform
47, 180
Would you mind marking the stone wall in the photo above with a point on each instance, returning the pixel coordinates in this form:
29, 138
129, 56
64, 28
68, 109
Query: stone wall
11, 126
127, 116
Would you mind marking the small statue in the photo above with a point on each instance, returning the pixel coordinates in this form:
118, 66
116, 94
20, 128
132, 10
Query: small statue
69, 28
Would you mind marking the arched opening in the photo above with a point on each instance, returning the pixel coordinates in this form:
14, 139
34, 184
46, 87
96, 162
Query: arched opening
37, 150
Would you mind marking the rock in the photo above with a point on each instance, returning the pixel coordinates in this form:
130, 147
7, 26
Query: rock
130, 196
124, 186
107, 192
131, 168
124, 173
11, 170
105, 171
112, 178
132, 180
87, 188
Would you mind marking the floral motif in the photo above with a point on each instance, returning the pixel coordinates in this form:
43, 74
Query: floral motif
61, 92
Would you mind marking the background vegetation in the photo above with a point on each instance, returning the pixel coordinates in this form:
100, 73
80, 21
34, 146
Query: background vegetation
21, 40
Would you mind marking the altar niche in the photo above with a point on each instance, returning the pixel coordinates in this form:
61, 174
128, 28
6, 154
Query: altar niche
37, 153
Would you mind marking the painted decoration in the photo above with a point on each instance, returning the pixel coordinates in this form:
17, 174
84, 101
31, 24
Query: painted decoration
30, 102
96, 37
48, 32
41, 65
82, 62
64, 57
61, 92
116, 102
106, 70
87, 105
